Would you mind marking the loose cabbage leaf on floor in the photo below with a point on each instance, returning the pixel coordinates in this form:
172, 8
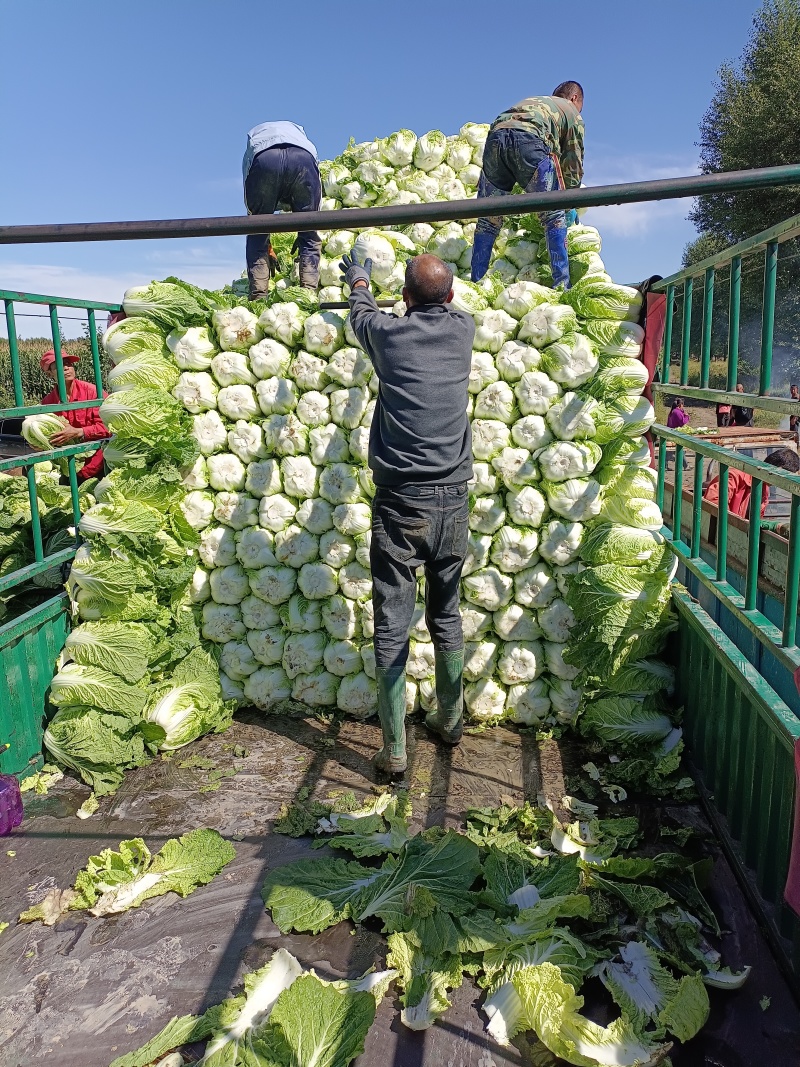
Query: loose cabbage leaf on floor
647, 993
318, 1022
180, 1030
374, 830
429, 966
99, 746
516, 880
551, 1007
313, 894
286, 1018
426, 876
116, 880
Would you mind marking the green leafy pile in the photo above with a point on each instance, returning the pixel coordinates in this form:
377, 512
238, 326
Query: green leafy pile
286, 1017
529, 905
54, 505
134, 678
117, 880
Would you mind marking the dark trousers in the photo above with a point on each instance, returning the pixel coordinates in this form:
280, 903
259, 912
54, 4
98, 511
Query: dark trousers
417, 526
286, 177
515, 157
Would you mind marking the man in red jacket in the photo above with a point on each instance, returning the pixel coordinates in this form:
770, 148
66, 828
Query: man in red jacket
740, 485
85, 424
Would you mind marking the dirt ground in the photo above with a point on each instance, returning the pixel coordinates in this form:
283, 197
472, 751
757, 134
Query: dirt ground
89, 989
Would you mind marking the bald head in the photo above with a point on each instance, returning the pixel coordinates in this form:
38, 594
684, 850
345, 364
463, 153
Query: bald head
428, 281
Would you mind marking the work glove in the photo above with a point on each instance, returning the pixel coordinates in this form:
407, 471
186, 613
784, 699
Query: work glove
353, 271
572, 217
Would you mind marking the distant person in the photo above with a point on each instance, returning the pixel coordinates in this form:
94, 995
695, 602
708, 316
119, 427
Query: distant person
794, 420
537, 145
280, 171
723, 414
677, 420
740, 485
742, 416
85, 424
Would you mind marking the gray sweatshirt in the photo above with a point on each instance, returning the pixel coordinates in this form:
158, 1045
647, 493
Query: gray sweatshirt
420, 432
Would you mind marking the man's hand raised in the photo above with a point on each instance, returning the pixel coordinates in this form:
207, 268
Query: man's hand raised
353, 272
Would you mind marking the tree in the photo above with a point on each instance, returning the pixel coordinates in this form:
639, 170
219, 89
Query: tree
751, 122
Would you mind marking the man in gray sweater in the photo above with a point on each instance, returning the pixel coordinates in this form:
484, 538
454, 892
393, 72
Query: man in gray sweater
420, 453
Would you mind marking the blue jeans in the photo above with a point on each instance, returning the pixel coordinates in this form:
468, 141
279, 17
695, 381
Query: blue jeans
417, 526
284, 176
514, 157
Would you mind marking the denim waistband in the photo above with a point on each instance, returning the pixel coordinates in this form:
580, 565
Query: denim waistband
414, 489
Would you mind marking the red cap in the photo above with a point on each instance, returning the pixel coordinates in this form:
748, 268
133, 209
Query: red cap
49, 359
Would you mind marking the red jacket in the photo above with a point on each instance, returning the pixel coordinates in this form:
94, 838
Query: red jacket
740, 486
86, 419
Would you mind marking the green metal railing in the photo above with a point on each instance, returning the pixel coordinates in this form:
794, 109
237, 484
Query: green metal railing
685, 287
42, 561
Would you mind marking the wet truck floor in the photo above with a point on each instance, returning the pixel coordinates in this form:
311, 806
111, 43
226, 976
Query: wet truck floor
89, 989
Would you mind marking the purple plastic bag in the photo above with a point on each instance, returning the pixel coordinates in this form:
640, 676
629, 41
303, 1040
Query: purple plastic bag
10, 804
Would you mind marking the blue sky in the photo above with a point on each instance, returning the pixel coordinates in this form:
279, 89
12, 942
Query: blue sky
150, 121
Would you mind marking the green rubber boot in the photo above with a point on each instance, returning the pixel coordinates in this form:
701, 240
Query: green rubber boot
392, 759
448, 719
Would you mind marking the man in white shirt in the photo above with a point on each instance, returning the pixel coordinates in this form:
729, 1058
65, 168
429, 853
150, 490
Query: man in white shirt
280, 171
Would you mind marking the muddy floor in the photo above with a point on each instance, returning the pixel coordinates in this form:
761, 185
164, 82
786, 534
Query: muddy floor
89, 989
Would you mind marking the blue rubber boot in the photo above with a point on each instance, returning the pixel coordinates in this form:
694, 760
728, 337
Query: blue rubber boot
392, 758
556, 237
481, 254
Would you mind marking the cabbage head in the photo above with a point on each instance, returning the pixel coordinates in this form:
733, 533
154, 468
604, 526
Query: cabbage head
283, 322
237, 329
488, 588
496, 401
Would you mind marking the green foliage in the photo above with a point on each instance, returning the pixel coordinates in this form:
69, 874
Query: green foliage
35, 383
750, 123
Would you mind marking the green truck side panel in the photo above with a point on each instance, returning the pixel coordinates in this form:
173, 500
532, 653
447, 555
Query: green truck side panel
30, 643
29, 646
741, 738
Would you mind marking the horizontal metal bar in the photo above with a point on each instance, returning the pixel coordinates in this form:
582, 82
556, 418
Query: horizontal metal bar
59, 301
784, 231
721, 396
343, 305
61, 318
24, 574
403, 214
39, 409
18, 627
53, 453
779, 715
758, 624
765, 471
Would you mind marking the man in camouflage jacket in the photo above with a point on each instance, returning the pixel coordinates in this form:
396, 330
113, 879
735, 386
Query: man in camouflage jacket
537, 145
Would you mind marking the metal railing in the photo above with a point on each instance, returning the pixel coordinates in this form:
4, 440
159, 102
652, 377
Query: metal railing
41, 561
405, 214
780, 641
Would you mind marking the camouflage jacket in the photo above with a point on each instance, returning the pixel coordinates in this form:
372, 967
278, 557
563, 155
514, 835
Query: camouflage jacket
560, 126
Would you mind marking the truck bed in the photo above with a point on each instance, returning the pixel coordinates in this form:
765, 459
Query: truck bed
90, 989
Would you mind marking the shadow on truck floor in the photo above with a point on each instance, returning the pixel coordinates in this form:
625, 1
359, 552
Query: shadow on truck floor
87, 990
